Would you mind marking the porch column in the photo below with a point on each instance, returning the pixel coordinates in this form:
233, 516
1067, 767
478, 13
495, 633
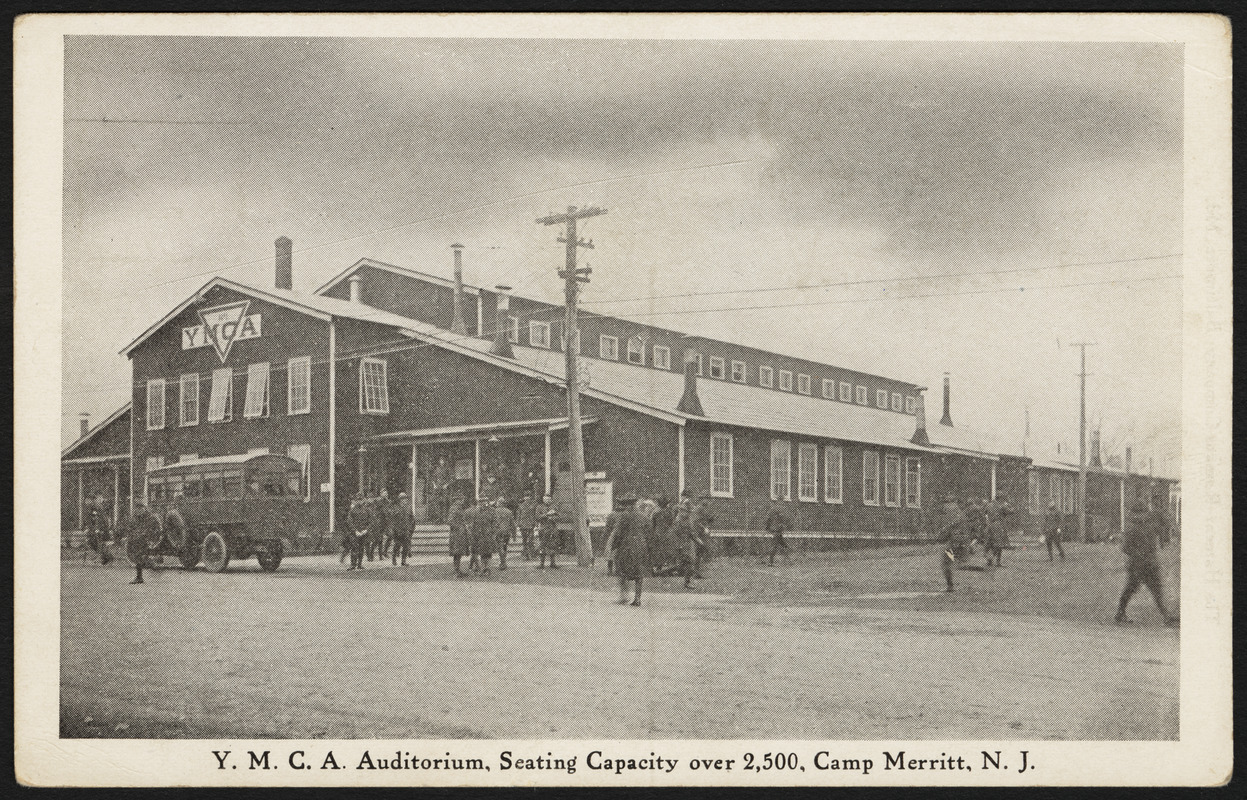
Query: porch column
412, 494
116, 493
680, 466
993, 495
476, 467
547, 462
81, 526
1121, 506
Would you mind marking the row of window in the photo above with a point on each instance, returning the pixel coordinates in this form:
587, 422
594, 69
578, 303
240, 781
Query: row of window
1060, 491
722, 474
608, 349
374, 396
225, 483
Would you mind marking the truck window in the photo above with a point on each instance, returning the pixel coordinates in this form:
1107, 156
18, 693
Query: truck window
155, 489
191, 487
294, 482
173, 487
232, 480
214, 485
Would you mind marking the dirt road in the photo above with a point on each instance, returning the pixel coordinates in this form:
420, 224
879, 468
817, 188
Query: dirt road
832, 646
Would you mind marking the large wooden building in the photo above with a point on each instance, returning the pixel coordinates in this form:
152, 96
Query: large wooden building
386, 377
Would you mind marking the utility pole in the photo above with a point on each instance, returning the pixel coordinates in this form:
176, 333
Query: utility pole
1082, 441
572, 278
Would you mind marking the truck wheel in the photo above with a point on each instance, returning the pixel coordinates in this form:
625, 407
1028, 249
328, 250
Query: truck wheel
215, 552
270, 556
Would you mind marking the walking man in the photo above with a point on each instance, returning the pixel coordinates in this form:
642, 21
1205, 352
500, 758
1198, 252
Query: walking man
631, 534
686, 539
953, 536
1052, 531
548, 531
144, 535
504, 529
622, 504
702, 519
456, 516
998, 519
402, 522
1144, 533
776, 523
526, 518
97, 531
484, 535
358, 521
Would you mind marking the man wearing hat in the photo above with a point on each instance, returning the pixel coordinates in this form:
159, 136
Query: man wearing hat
622, 504
630, 534
460, 546
1052, 530
548, 531
953, 538
358, 521
776, 523
1143, 535
402, 521
504, 528
144, 534
526, 519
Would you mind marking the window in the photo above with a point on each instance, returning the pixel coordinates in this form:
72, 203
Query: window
846, 392
896, 402
718, 368
662, 357
636, 350
738, 371
807, 472
155, 462
1032, 494
766, 377
892, 481
911, 405
184, 457
513, 330
695, 358
1067, 501
303, 454
563, 341
881, 398
803, 384
221, 402
538, 334
829, 389
785, 380
374, 386
721, 465
155, 404
189, 385
257, 391
608, 347
781, 470
913, 482
870, 478
861, 395
299, 385
833, 478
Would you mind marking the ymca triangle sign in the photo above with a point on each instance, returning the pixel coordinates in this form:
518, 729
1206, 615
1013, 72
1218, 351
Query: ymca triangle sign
222, 326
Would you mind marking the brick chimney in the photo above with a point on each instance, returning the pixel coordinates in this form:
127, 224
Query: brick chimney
456, 324
920, 417
1128, 454
1095, 449
947, 418
357, 292
84, 425
285, 264
502, 344
689, 402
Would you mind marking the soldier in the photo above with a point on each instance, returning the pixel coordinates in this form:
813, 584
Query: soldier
702, 519
1144, 534
97, 529
440, 481
504, 529
144, 535
662, 554
379, 508
1052, 531
953, 535
484, 536
402, 521
776, 523
998, 513
526, 518
631, 547
685, 538
622, 504
358, 520
459, 538
548, 531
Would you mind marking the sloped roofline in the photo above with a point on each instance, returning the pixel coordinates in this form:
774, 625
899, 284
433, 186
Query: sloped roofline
381, 265
116, 415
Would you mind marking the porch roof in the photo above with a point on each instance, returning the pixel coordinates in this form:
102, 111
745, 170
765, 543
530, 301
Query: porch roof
519, 428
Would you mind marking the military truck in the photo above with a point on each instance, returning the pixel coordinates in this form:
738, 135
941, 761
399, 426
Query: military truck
223, 509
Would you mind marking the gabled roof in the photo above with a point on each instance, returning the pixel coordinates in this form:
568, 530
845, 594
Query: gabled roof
409, 273
324, 308
116, 415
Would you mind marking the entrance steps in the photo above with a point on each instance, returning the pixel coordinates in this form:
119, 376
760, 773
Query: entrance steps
429, 540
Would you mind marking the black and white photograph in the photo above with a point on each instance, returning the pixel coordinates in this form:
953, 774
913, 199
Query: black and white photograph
631, 399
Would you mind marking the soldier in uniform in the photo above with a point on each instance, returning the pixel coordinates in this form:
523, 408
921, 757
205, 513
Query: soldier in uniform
358, 521
504, 529
440, 481
1052, 531
631, 547
685, 538
1145, 532
144, 535
702, 520
998, 519
484, 535
402, 521
776, 523
953, 536
622, 504
97, 529
526, 519
663, 552
548, 531
459, 537
377, 507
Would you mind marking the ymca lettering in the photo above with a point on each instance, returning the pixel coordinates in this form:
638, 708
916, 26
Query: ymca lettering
222, 326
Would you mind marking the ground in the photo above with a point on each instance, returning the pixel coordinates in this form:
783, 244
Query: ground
843, 645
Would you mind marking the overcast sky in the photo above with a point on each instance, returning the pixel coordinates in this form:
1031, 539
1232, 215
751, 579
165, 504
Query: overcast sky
909, 171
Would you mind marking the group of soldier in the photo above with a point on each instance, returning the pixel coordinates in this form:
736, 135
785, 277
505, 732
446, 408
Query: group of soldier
377, 527
648, 537
982, 522
481, 527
